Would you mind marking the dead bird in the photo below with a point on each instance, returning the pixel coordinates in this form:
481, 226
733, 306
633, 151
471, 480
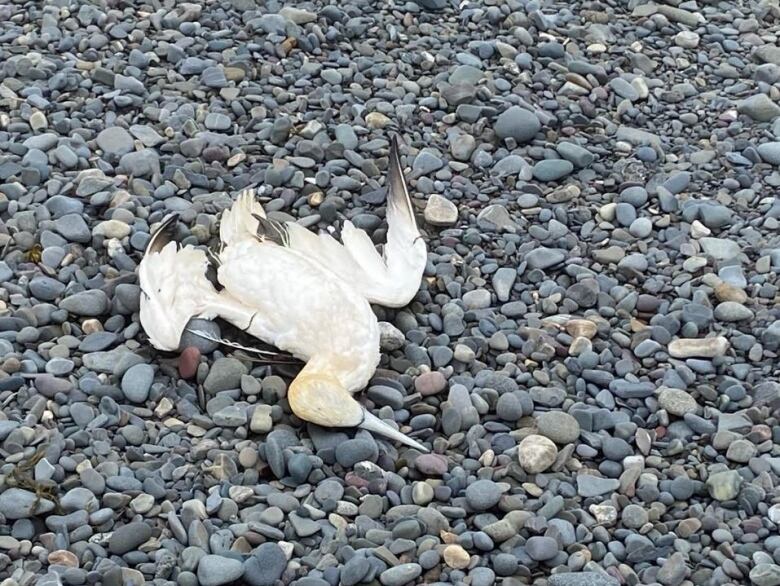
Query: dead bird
304, 293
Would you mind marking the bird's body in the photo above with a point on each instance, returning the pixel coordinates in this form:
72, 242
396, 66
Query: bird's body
306, 294
302, 308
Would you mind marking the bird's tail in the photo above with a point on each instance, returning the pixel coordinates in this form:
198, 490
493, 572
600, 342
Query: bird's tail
240, 221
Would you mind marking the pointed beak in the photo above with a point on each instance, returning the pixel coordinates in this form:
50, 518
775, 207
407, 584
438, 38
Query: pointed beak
373, 424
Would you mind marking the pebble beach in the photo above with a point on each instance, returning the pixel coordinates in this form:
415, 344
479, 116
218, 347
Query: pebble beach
592, 357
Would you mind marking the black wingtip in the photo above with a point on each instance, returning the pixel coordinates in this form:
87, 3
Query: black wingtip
271, 230
394, 142
398, 192
164, 234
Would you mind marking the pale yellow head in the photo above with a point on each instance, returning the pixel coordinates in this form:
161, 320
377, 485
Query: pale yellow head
320, 398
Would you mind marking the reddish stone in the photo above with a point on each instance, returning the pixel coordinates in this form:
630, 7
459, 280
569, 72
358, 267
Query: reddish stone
430, 383
352, 479
188, 362
431, 464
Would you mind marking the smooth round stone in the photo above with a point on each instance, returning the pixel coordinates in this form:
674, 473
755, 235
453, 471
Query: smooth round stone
552, 169
616, 448
765, 574
636, 196
45, 288
482, 577
439, 211
115, 141
188, 362
483, 495
559, 426
634, 516
205, 345
265, 566
137, 381
730, 311
59, 366
422, 493
225, 374
536, 453
540, 548
431, 464
127, 537
641, 228
456, 557
677, 402
329, 490
770, 152
215, 570
517, 123
16, 503
400, 574
686, 39
741, 451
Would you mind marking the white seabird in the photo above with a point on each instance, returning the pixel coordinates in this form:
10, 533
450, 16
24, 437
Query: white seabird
304, 293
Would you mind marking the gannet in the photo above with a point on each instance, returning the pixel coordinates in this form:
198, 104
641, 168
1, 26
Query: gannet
304, 293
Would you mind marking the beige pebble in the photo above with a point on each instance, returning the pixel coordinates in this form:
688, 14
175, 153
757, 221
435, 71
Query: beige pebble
63, 557
456, 557
377, 120
698, 347
536, 453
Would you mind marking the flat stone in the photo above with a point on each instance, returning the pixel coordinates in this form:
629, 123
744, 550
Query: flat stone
759, 107
16, 503
86, 303
127, 537
677, 402
215, 570
581, 579
698, 347
558, 426
115, 141
439, 211
400, 574
517, 123
590, 486
724, 486
137, 382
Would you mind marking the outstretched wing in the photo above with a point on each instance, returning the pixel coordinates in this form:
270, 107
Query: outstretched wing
390, 279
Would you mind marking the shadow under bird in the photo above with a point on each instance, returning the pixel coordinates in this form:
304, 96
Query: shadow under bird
304, 293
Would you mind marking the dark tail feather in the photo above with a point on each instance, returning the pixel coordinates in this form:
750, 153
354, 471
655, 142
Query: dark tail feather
397, 192
163, 235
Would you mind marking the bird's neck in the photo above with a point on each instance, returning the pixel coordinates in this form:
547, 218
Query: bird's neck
352, 370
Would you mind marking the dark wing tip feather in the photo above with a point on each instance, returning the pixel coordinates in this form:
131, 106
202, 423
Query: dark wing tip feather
271, 230
398, 193
163, 235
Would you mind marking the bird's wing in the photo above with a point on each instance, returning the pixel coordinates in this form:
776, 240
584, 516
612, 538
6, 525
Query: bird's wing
241, 221
174, 287
390, 279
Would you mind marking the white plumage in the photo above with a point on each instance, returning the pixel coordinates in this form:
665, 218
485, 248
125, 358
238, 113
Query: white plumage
304, 293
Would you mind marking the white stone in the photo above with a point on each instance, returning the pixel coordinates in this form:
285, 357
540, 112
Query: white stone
439, 211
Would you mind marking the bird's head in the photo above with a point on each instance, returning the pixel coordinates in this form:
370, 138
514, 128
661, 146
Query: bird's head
319, 397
